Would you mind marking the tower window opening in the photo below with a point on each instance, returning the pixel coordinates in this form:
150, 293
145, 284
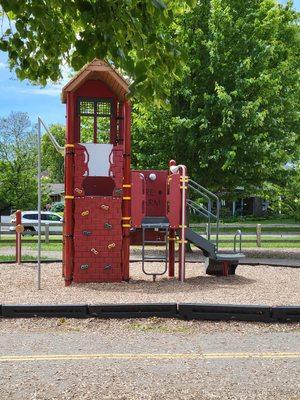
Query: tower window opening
95, 120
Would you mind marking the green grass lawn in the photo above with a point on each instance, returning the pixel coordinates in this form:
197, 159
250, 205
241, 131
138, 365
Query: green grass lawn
11, 257
226, 240
30, 242
261, 221
265, 244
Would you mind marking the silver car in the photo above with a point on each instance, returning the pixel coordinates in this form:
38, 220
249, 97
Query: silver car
53, 220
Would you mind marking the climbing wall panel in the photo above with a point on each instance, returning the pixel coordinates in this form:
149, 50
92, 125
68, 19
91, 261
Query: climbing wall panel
97, 239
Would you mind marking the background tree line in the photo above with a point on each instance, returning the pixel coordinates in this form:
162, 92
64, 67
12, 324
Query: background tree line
216, 84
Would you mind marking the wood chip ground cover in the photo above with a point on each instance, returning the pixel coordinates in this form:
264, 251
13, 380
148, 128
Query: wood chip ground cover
251, 285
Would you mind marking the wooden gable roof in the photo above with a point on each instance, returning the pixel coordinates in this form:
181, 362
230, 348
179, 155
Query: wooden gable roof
101, 70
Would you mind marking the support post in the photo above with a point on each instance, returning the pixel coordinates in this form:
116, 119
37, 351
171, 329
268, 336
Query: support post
18, 238
39, 204
182, 242
68, 256
258, 235
47, 233
126, 204
171, 252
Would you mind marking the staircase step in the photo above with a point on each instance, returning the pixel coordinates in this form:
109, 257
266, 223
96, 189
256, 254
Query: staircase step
229, 256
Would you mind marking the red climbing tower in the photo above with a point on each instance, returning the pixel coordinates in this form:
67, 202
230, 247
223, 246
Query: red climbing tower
100, 217
97, 176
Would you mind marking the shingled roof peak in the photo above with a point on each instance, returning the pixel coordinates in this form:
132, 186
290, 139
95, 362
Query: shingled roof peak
102, 70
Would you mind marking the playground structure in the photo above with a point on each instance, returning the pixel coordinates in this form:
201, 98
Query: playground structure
108, 206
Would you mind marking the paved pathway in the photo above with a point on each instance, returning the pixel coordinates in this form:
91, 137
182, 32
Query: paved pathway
118, 364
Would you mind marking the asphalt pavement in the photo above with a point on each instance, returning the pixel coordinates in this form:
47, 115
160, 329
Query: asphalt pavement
132, 362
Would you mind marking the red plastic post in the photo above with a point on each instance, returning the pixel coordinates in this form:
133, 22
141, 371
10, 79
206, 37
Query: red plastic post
171, 240
126, 206
68, 256
225, 268
171, 252
18, 238
182, 246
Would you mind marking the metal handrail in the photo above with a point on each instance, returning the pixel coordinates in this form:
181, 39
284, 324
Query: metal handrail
197, 210
204, 189
239, 234
58, 148
207, 195
208, 206
197, 206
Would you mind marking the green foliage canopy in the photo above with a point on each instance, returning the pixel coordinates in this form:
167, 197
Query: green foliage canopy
137, 35
234, 118
18, 162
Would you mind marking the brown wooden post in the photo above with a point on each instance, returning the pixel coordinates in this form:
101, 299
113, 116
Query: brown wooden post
258, 235
47, 233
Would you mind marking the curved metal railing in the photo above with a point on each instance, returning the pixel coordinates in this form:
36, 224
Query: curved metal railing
206, 212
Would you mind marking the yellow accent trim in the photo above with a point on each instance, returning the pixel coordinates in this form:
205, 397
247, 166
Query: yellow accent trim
84, 213
111, 246
183, 187
126, 226
126, 218
127, 198
182, 226
182, 241
69, 197
144, 356
170, 238
126, 186
69, 145
184, 180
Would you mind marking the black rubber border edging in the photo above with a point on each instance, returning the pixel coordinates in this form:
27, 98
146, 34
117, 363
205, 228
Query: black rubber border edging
286, 314
208, 312
225, 312
163, 310
45, 310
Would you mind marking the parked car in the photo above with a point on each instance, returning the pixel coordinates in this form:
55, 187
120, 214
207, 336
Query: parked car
55, 221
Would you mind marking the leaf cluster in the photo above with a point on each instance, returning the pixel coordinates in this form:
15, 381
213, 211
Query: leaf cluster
234, 117
138, 36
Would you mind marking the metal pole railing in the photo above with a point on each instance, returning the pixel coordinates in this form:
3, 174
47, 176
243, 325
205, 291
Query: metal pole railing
204, 189
39, 204
217, 225
193, 187
200, 189
239, 234
59, 148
